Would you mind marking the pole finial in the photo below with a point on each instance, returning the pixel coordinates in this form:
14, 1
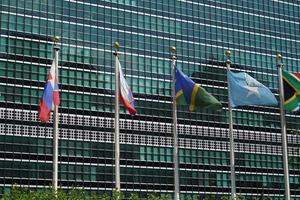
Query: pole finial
56, 39
228, 53
116, 45
278, 56
173, 50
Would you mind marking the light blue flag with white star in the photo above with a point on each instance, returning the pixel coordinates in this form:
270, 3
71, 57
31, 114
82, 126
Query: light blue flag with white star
245, 90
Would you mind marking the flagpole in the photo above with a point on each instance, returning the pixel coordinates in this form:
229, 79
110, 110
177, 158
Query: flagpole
232, 165
55, 123
175, 137
283, 130
116, 45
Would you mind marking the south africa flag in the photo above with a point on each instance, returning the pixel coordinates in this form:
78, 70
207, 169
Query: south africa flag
291, 83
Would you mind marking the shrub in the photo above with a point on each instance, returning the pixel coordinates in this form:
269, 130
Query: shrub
21, 193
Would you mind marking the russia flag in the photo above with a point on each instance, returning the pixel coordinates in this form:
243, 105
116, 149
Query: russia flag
125, 94
50, 96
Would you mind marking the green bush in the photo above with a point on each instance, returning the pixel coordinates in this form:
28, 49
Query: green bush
19, 193
22, 193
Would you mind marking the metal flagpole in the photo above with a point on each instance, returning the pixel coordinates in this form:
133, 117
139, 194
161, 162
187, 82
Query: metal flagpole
55, 122
283, 130
175, 137
232, 165
116, 45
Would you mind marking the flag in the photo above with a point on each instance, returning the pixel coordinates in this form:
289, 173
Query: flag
192, 94
50, 96
245, 90
291, 84
125, 94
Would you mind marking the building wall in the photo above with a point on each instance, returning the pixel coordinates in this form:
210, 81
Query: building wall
201, 31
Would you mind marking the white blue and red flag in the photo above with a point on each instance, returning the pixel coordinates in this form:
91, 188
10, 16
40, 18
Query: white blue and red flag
125, 94
50, 96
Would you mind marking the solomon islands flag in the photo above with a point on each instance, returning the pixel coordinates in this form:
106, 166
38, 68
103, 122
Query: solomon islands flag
192, 94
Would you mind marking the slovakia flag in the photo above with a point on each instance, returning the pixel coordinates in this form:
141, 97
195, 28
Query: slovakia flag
50, 96
125, 94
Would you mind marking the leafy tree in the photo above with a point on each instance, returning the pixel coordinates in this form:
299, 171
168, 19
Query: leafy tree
157, 197
225, 198
239, 197
19, 193
134, 196
189, 198
117, 195
104, 197
210, 197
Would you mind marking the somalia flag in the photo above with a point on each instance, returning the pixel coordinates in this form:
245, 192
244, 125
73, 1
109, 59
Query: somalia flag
192, 94
245, 90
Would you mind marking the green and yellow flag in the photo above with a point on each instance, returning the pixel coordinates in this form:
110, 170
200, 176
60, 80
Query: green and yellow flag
291, 84
192, 94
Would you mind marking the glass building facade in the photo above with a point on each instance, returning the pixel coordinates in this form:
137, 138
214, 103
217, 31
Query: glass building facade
201, 30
